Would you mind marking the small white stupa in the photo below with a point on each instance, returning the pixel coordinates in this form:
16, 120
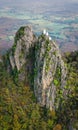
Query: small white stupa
44, 31
50, 38
47, 34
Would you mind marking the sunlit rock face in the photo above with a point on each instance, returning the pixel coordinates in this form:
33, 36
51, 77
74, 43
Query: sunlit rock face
39, 61
50, 72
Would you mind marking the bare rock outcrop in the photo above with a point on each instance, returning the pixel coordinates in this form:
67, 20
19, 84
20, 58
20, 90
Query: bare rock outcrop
39, 59
21, 55
50, 73
24, 40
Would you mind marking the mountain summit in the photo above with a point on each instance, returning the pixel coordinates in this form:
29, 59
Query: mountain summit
37, 62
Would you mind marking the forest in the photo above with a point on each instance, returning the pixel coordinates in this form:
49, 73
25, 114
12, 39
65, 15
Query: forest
19, 109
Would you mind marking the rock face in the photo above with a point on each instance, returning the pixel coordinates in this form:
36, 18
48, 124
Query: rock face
39, 57
24, 40
50, 71
21, 55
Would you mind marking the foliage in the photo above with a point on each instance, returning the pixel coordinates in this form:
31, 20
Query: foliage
48, 58
15, 74
68, 110
57, 77
18, 107
19, 34
20, 111
57, 127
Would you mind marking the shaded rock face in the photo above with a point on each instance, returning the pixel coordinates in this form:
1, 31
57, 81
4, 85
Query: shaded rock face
22, 51
40, 58
24, 40
50, 73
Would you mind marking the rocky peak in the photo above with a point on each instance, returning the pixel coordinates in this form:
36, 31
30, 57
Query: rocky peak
50, 71
24, 40
40, 59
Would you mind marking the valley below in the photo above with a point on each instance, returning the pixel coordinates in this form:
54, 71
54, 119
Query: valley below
61, 23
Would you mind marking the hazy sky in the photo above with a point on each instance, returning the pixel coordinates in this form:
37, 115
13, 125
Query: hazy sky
41, 1
40, 4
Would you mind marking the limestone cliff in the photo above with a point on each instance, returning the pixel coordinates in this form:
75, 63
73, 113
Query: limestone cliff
40, 58
21, 55
50, 73
24, 39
